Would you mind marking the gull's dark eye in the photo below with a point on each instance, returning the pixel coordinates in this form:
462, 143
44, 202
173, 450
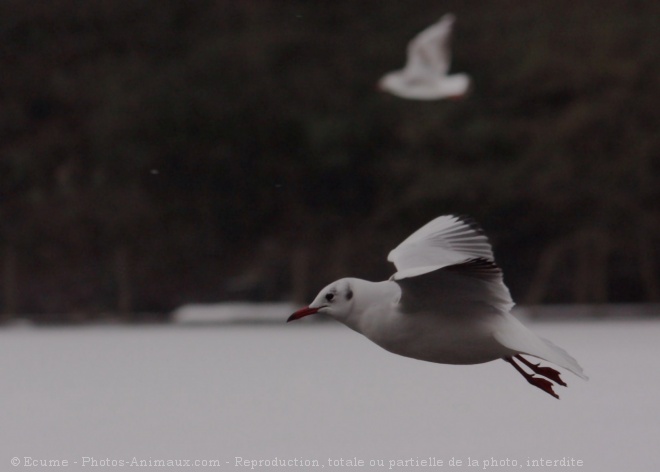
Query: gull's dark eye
349, 294
329, 296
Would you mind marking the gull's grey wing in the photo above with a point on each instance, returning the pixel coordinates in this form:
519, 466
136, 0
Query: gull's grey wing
446, 240
429, 52
469, 289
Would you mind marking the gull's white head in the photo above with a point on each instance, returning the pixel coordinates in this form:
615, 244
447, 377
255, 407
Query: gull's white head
336, 300
391, 82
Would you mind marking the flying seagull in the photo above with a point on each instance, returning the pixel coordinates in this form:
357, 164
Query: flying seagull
425, 75
447, 303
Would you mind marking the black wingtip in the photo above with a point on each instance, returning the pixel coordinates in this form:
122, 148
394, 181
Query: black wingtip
471, 222
476, 267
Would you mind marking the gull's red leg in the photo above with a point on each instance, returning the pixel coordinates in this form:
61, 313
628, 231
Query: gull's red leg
547, 372
538, 382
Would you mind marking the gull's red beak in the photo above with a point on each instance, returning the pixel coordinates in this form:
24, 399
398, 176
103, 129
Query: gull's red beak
301, 313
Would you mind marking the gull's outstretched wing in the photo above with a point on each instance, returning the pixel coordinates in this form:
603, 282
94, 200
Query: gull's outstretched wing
429, 52
444, 241
473, 288
447, 266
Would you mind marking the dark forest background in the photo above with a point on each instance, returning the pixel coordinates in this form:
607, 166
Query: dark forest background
160, 152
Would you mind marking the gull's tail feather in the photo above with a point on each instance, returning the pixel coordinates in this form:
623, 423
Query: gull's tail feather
513, 334
568, 361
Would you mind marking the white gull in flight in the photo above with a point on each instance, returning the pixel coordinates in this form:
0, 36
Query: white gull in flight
447, 303
425, 75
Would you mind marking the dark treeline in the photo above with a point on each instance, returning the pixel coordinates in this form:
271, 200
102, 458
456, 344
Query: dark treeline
161, 152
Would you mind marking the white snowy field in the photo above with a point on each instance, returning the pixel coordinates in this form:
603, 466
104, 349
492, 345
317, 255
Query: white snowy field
311, 391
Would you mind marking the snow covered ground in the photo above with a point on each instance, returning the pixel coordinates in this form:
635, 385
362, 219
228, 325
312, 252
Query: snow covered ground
318, 391
232, 312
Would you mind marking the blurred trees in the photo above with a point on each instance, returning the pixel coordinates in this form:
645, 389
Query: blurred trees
160, 152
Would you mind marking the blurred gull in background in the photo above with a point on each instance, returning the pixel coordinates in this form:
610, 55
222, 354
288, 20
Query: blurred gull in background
425, 75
